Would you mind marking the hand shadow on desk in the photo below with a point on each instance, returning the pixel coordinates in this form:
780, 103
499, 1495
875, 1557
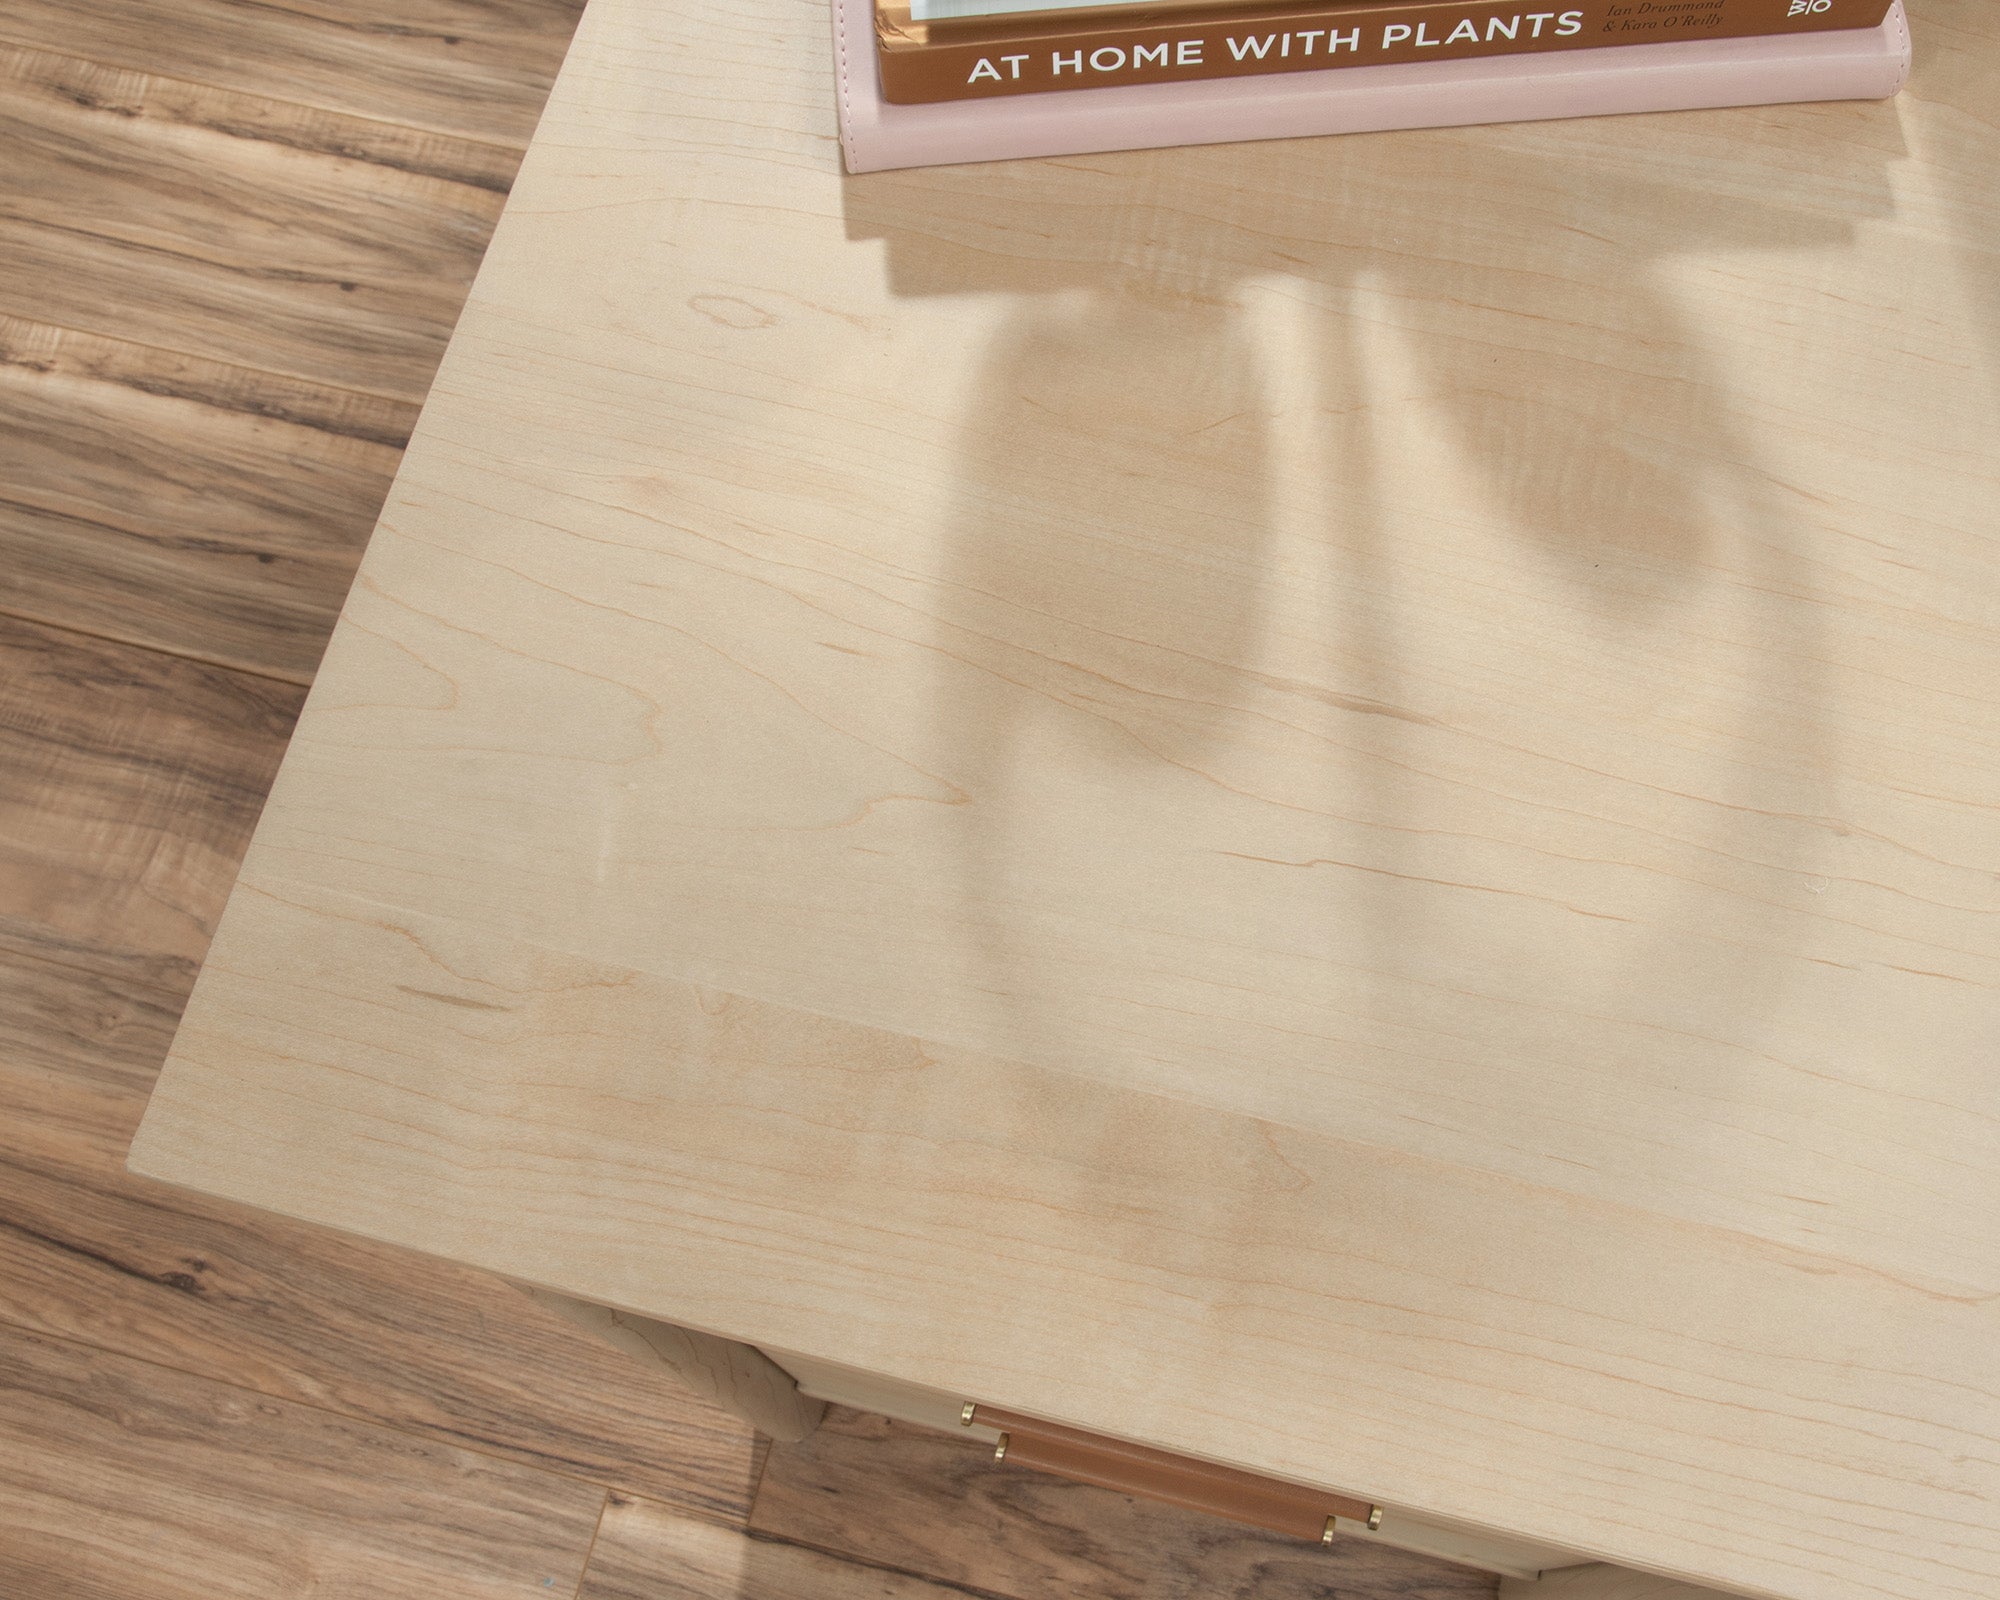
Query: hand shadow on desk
1095, 625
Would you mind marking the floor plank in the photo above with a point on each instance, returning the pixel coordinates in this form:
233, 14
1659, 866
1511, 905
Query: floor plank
146, 95
221, 295
645, 1552
169, 501
255, 234
477, 69
119, 1479
295, 1312
912, 1500
51, 351
129, 782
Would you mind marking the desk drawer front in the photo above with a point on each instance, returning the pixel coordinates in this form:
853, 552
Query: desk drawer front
907, 1402
1159, 1475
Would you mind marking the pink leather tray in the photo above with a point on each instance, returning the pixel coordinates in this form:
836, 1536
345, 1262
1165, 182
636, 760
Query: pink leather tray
1850, 64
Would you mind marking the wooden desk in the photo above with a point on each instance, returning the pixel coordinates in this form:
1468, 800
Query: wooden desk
1334, 806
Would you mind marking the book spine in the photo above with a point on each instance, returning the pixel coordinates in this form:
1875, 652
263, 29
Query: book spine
1042, 56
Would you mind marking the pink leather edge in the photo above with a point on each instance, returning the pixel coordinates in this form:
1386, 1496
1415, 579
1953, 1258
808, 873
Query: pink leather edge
1847, 64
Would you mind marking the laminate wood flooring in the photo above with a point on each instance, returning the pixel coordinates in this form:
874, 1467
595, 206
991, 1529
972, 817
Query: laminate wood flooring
129, 782
159, 499
234, 235
301, 243
120, 1478
476, 69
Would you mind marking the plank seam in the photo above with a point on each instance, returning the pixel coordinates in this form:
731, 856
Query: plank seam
16, 42
20, 615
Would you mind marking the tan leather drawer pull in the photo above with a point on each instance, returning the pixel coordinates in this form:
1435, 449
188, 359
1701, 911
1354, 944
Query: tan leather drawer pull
1159, 1475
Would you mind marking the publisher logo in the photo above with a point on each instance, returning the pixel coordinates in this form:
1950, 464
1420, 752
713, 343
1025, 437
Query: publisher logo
1805, 8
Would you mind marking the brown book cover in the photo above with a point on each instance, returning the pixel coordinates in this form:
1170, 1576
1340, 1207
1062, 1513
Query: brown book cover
1164, 41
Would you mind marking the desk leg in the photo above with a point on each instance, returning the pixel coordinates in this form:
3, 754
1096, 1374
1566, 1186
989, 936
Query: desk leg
735, 1376
1601, 1582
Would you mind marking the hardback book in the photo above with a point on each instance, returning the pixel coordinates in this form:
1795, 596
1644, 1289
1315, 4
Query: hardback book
1685, 74
933, 50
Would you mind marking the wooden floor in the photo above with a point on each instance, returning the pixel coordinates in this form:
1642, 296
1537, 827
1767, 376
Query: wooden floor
233, 238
